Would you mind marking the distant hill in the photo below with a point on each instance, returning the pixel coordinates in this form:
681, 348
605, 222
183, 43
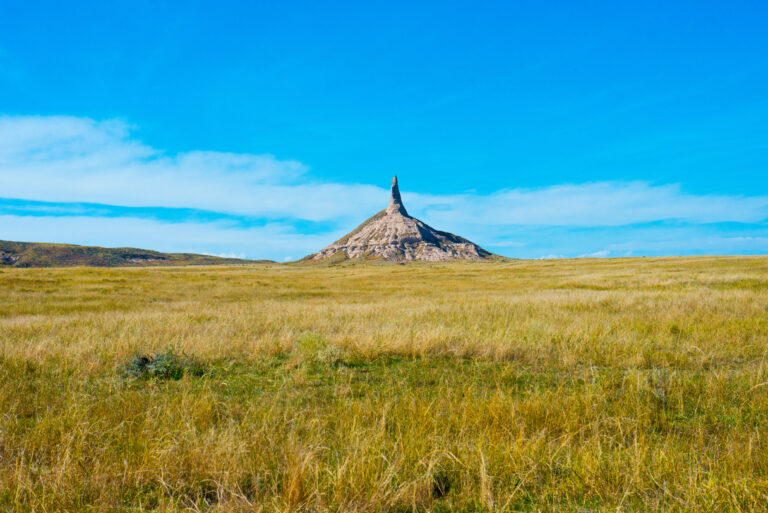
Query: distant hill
38, 254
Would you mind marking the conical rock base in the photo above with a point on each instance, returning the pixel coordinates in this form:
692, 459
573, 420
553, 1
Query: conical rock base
394, 235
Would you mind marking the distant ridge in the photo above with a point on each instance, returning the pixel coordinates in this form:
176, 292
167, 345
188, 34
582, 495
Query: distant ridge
394, 235
39, 254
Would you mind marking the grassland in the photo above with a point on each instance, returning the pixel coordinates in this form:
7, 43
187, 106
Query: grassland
603, 385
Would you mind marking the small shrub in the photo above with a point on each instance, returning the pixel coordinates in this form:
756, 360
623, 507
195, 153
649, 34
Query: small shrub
332, 355
167, 365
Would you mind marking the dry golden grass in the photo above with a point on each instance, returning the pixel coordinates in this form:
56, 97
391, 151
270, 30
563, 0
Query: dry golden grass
603, 385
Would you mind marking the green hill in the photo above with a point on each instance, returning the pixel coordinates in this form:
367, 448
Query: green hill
38, 254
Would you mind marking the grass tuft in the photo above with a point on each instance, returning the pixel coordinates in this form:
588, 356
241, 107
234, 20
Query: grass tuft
314, 347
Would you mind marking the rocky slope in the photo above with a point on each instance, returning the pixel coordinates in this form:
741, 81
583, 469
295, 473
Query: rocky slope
394, 235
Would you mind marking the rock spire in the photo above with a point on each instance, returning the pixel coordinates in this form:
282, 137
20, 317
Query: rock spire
395, 201
394, 235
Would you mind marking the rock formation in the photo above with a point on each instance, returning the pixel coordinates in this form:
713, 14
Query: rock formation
394, 235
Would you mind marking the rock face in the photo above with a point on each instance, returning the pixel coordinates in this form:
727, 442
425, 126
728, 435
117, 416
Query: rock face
394, 235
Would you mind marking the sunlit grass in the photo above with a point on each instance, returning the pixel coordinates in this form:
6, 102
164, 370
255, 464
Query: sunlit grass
603, 385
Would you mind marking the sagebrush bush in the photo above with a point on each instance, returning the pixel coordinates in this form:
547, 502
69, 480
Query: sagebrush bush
165, 365
332, 354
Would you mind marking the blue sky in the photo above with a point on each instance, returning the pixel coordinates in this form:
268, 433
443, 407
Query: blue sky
268, 129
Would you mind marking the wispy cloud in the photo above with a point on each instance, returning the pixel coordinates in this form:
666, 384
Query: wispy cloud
595, 204
79, 180
64, 159
597, 254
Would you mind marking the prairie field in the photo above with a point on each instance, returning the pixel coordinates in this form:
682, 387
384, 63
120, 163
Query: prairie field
567, 385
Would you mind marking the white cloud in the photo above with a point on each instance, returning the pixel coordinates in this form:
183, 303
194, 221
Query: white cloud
593, 204
228, 255
69, 159
65, 159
